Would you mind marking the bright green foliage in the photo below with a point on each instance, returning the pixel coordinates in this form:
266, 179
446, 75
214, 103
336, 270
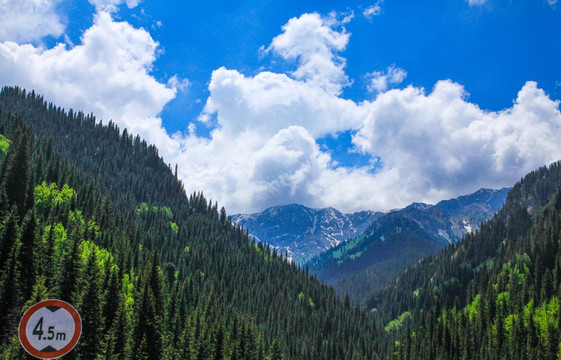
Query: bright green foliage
59, 236
48, 197
398, 323
174, 227
128, 293
4, 146
546, 318
473, 309
144, 209
103, 257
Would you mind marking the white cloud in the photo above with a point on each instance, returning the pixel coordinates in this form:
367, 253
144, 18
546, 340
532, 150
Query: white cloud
29, 20
111, 5
373, 10
269, 102
381, 81
439, 145
476, 2
552, 3
177, 83
107, 74
314, 43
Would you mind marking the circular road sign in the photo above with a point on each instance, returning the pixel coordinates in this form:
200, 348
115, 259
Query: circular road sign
50, 329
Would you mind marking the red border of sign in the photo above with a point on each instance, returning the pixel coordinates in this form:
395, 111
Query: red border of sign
50, 355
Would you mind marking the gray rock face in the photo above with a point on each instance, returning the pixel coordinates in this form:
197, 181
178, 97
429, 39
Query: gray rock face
303, 232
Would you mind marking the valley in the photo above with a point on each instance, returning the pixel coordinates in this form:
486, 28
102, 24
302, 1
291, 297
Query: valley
357, 253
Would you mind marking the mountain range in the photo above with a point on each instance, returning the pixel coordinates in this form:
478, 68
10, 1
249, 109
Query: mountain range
372, 247
401, 238
303, 232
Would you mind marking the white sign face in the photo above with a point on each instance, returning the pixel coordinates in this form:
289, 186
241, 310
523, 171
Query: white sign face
50, 329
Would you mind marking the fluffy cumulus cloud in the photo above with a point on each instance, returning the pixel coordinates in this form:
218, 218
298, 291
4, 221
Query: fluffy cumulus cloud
269, 102
107, 74
29, 20
312, 41
379, 81
111, 5
440, 145
262, 149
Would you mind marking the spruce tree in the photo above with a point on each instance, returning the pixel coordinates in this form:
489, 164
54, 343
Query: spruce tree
90, 306
16, 176
25, 255
275, 352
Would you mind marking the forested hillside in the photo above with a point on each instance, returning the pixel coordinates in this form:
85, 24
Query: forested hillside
92, 215
400, 238
494, 295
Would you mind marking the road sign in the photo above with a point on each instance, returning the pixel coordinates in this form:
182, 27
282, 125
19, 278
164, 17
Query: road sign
50, 329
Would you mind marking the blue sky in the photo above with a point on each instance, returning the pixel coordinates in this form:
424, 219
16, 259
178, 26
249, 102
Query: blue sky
355, 105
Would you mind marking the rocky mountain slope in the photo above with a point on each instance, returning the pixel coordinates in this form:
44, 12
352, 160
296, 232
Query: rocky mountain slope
303, 232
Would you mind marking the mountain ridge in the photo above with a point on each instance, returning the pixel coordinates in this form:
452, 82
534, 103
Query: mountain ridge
303, 232
400, 238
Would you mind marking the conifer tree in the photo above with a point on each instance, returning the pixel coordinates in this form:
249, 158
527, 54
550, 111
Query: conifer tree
90, 308
16, 177
25, 255
275, 352
8, 235
9, 295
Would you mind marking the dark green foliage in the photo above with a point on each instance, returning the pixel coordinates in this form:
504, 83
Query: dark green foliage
16, 176
10, 231
25, 259
360, 265
90, 308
